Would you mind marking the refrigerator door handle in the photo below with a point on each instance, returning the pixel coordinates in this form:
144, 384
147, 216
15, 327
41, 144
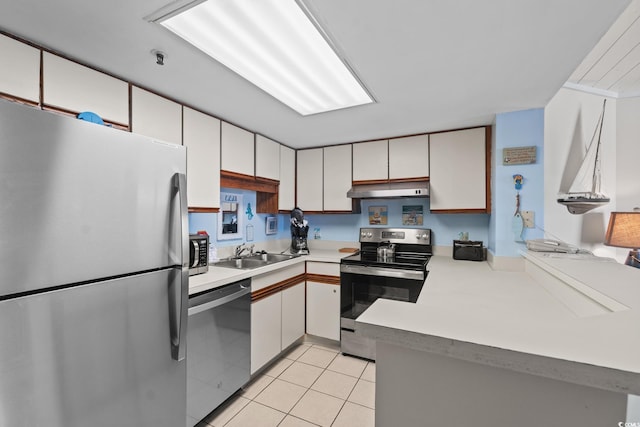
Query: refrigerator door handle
179, 309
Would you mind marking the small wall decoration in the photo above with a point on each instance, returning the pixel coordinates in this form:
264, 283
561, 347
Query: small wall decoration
378, 215
519, 155
412, 215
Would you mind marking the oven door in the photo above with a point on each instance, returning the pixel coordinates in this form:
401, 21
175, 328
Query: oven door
360, 286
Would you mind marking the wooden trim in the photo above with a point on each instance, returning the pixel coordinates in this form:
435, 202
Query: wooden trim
195, 209
277, 287
41, 82
488, 168
230, 179
416, 179
370, 181
72, 113
456, 211
293, 281
265, 292
323, 278
19, 100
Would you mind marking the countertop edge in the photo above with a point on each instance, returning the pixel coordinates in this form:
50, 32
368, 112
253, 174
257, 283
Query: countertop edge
533, 364
221, 276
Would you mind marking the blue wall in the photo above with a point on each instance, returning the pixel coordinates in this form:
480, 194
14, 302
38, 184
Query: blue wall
516, 129
209, 222
345, 227
445, 227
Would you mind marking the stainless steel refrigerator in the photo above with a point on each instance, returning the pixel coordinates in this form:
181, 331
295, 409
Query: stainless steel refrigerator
93, 276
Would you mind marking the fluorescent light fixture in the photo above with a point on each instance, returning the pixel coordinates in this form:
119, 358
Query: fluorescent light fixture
273, 44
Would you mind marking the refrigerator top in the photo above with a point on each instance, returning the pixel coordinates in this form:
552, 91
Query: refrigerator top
82, 202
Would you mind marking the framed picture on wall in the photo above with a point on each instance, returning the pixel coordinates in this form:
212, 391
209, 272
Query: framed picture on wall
378, 215
412, 215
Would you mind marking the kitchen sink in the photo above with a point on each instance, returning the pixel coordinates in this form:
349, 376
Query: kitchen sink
253, 261
271, 258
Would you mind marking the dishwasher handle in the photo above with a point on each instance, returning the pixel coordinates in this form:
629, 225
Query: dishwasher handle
216, 302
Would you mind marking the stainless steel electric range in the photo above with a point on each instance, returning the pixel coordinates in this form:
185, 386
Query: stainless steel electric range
391, 263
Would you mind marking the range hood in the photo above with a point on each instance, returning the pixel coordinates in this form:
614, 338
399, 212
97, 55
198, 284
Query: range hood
389, 190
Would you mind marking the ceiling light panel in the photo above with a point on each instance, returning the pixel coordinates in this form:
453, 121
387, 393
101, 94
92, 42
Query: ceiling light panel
274, 45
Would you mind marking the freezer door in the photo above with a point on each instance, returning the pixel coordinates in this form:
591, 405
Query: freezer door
80, 201
97, 355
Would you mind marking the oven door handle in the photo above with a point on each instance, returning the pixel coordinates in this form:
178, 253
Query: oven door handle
384, 272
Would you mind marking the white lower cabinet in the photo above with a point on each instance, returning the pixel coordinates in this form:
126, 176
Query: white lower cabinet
323, 310
293, 314
277, 320
323, 300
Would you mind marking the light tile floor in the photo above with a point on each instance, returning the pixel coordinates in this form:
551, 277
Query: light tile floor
312, 385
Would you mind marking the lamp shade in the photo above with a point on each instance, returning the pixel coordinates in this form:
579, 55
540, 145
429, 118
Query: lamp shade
623, 230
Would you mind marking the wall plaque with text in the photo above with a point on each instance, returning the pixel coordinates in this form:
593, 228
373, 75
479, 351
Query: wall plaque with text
518, 155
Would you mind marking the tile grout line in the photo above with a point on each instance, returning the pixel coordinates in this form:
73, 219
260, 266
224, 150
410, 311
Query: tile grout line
324, 370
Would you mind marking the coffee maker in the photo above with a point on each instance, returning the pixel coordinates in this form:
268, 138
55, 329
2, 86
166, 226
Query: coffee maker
299, 231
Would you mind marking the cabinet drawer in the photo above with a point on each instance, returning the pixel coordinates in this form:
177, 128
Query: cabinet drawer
273, 277
325, 268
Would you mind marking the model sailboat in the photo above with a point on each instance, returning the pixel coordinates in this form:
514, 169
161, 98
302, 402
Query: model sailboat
585, 193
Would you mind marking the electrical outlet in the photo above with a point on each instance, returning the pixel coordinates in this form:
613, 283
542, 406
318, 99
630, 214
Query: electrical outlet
527, 217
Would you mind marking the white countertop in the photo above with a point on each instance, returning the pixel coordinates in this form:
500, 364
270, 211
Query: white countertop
515, 320
220, 276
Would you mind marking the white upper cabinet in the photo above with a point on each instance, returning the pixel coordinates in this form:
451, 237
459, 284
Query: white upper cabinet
155, 116
409, 157
20, 75
77, 88
238, 150
309, 179
337, 178
458, 169
370, 160
287, 188
201, 135
267, 158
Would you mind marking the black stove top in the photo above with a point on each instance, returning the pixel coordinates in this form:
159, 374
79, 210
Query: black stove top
412, 248
409, 261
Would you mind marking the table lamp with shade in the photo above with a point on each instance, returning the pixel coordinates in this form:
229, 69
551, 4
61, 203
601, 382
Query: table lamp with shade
624, 232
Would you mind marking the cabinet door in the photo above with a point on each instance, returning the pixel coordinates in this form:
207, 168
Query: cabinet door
155, 116
371, 160
337, 178
267, 158
202, 138
266, 327
237, 150
323, 310
309, 179
458, 178
77, 88
409, 157
287, 188
293, 314
20, 76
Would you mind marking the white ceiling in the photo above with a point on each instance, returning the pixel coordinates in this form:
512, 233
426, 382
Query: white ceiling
613, 66
431, 64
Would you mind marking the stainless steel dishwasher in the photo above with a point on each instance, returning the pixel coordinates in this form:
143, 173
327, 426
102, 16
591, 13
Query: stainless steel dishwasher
218, 347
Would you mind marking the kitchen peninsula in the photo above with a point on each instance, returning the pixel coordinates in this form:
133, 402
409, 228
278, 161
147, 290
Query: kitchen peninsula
554, 345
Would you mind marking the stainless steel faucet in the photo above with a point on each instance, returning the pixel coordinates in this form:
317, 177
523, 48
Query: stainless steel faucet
241, 248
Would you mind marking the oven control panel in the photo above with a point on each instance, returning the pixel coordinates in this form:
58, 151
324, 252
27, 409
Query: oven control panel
396, 235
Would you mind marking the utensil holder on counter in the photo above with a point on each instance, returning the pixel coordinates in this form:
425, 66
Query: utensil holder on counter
468, 250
